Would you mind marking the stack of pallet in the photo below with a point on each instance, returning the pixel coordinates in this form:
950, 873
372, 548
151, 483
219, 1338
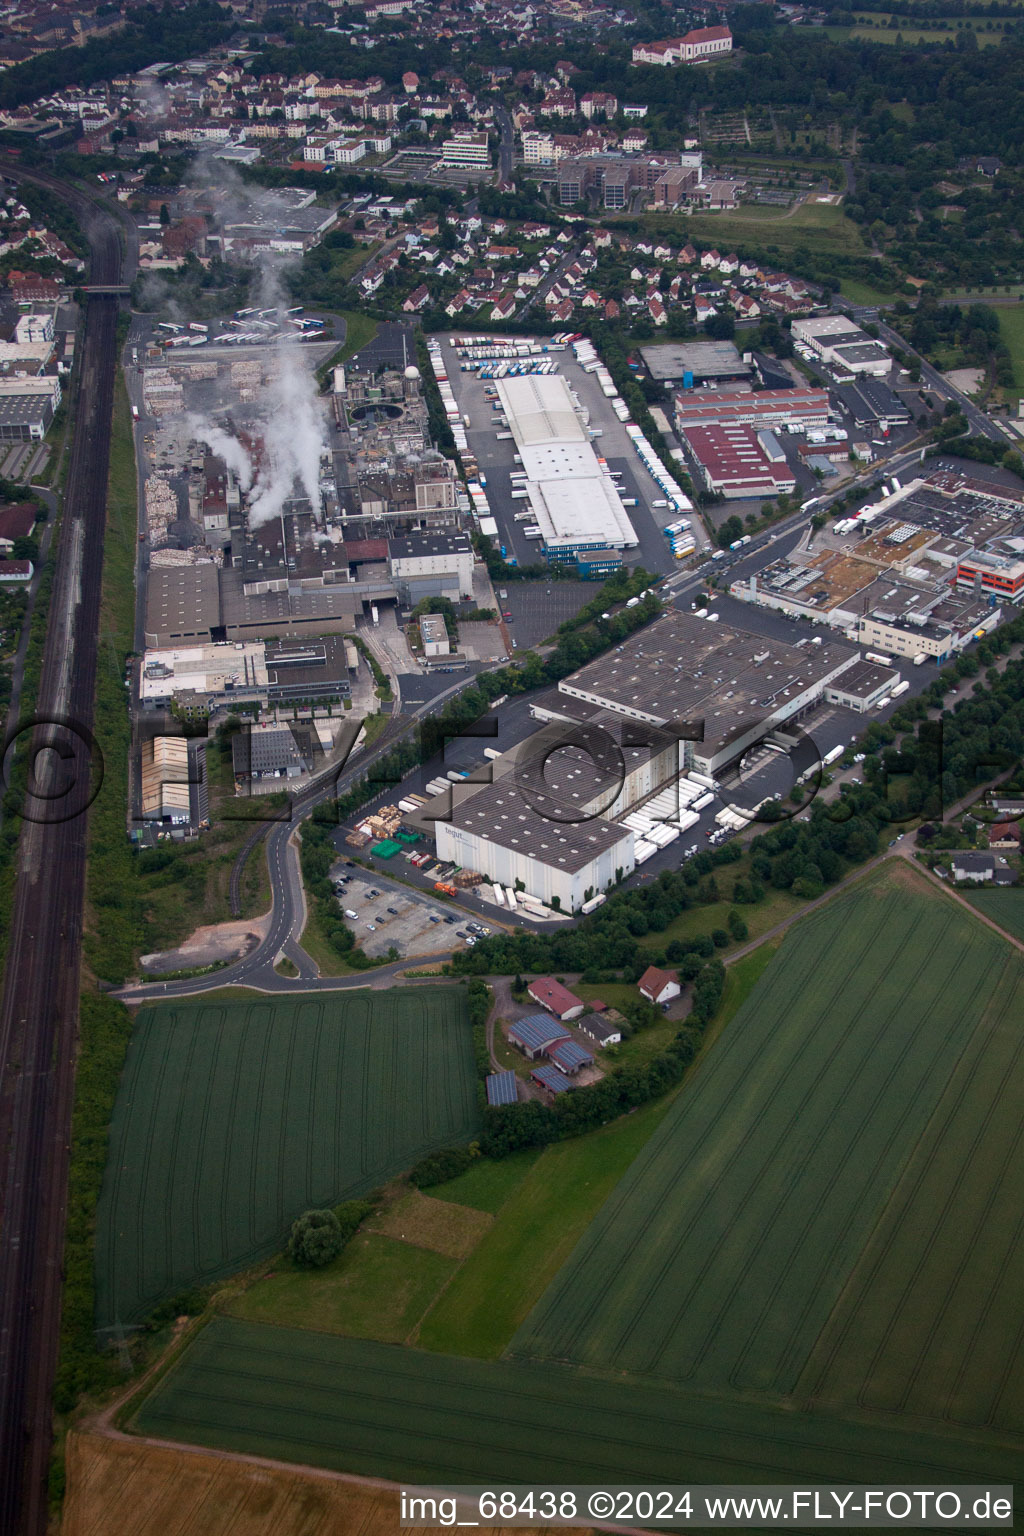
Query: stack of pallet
161, 507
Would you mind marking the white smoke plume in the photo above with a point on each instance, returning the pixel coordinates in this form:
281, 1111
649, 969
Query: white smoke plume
294, 438
292, 426
220, 442
294, 433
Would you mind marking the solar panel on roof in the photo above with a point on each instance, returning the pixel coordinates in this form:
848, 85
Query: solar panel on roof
567, 1054
502, 1088
551, 1079
537, 1030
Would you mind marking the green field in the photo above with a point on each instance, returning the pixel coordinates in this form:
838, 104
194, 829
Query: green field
1011, 330
232, 1118
402, 1414
811, 1268
813, 227
486, 1185
1004, 906
832, 1117
535, 1230
863, 293
376, 1289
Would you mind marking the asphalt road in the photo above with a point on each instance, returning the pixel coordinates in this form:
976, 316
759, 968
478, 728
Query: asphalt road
288, 913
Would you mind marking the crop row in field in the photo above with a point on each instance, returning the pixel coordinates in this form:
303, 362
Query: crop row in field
722, 1253
231, 1119
402, 1414
930, 1324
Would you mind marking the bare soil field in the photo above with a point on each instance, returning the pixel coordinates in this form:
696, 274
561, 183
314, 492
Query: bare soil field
121, 1487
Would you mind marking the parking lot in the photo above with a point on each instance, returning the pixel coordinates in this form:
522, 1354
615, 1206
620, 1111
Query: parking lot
497, 461
391, 916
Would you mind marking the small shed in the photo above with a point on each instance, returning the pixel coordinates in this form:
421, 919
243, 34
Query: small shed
550, 1078
502, 1088
601, 1030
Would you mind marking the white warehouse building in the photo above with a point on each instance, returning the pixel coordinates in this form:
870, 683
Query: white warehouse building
842, 343
574, 500
500, 833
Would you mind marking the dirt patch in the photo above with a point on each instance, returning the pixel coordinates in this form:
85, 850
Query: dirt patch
967, 380
128, 1487
419, 1219
209, 946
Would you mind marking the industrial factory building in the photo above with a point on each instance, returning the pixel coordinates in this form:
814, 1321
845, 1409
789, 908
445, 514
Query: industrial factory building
438, 564
198, 679
27, 407
497, 831
685, 673
574, 500
919, 573
838, 341
737, 462
689, 363
767, 408
682, 694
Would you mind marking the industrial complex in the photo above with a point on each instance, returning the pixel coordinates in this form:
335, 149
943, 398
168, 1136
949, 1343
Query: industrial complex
917, 574
626, 746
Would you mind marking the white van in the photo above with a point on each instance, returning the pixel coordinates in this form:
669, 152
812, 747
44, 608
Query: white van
659, 504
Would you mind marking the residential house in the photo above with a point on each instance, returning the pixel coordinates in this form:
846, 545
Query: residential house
658, 986
1004, 834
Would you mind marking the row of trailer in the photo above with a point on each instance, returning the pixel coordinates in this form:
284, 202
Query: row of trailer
676, 498
672, 811
482, 349
249, 327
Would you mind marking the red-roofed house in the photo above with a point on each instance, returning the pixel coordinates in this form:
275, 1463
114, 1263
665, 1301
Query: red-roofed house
1004, 834
550, 994
658, 986
16, 522
26, 287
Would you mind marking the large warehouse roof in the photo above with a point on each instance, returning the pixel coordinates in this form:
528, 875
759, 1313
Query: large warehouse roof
540, 410
683, 668
574, 501
498, 813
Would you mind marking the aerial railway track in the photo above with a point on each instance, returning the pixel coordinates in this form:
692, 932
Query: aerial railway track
39, 1005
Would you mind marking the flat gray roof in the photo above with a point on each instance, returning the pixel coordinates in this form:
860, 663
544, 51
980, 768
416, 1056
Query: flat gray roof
704, 359
685, 669
500, 814
182, 602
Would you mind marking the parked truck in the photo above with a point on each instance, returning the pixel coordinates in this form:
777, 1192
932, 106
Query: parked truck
445, 888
